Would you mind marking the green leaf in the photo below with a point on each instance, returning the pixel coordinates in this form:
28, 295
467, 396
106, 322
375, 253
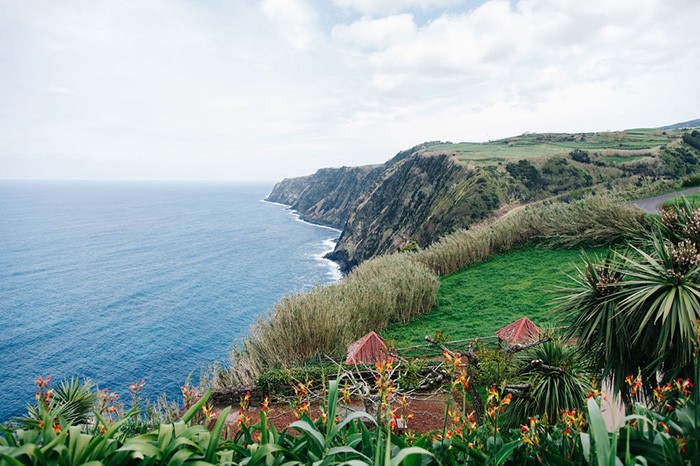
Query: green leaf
347, 450
145, 449
313, 433
196, 407
264, 450
406, 452
350, 417
216, 435
505, 451
179, 458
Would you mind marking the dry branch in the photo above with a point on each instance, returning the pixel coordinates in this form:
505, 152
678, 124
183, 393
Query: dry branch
477, 402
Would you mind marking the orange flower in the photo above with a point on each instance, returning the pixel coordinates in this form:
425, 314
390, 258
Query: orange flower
634, 382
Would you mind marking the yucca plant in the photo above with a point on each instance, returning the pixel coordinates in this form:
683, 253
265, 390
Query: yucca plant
661, 298
72, 400
590, 308
558, 376
634, 312
75, 399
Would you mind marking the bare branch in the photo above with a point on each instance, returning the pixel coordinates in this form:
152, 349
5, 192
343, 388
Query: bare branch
477, 402
523, 346
539, 364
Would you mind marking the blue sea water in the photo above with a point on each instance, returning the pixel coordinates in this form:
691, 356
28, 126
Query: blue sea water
123, 281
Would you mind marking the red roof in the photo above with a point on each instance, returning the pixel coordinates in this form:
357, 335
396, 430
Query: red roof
368, 349
520, 331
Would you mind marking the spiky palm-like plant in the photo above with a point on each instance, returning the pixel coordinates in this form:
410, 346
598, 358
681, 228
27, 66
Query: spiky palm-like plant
634, 312
559, 376
602, 331
72, 401
75, 399
660, 297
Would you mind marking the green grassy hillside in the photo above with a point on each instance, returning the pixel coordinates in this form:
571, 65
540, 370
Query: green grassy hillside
619, 144
479, 300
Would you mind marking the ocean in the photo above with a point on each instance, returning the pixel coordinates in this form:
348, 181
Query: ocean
123, 281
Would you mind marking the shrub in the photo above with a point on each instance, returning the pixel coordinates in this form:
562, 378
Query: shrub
579, 155
559, 175
552, 391
279, 381
692, 139
692, 180
526, 173
679, 161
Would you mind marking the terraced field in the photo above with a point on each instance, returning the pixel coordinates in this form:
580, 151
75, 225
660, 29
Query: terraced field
615, 147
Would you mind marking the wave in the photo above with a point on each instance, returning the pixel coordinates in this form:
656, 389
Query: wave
328, 244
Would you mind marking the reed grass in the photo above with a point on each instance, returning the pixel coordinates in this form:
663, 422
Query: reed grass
393, 288
594, 221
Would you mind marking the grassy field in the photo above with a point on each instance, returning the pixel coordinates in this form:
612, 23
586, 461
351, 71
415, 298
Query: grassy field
693, 199
538, 145
479, 300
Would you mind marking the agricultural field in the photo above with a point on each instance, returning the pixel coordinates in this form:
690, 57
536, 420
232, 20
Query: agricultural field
477, 301
617, 144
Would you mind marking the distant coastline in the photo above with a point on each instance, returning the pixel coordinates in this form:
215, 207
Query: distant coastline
326, 256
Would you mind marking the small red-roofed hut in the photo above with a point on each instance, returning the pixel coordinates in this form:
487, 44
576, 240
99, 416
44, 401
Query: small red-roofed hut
368, 349
520, 331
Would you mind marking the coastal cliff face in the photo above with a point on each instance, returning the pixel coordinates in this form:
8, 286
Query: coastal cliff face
419, 199
327, 196
432, 189
412, 197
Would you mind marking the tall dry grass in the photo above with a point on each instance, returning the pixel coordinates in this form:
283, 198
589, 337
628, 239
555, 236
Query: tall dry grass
593, 221
324, 320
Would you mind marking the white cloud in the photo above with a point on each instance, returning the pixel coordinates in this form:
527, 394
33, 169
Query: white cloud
294, 18
534, 44
377, 33
388, 7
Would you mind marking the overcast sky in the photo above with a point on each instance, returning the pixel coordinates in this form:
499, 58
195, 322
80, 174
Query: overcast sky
262, 90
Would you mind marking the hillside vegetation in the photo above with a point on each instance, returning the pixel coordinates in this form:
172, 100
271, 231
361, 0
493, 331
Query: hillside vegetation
533, 145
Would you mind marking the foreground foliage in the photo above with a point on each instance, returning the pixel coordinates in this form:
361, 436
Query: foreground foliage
635, 311
668, 433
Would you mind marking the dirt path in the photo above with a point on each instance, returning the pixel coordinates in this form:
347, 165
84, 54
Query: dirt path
652, 205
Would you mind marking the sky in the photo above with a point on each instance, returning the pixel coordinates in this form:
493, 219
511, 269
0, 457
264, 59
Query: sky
238, 90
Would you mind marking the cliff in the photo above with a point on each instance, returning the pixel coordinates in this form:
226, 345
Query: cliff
413, 197
329, 195
420, 199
